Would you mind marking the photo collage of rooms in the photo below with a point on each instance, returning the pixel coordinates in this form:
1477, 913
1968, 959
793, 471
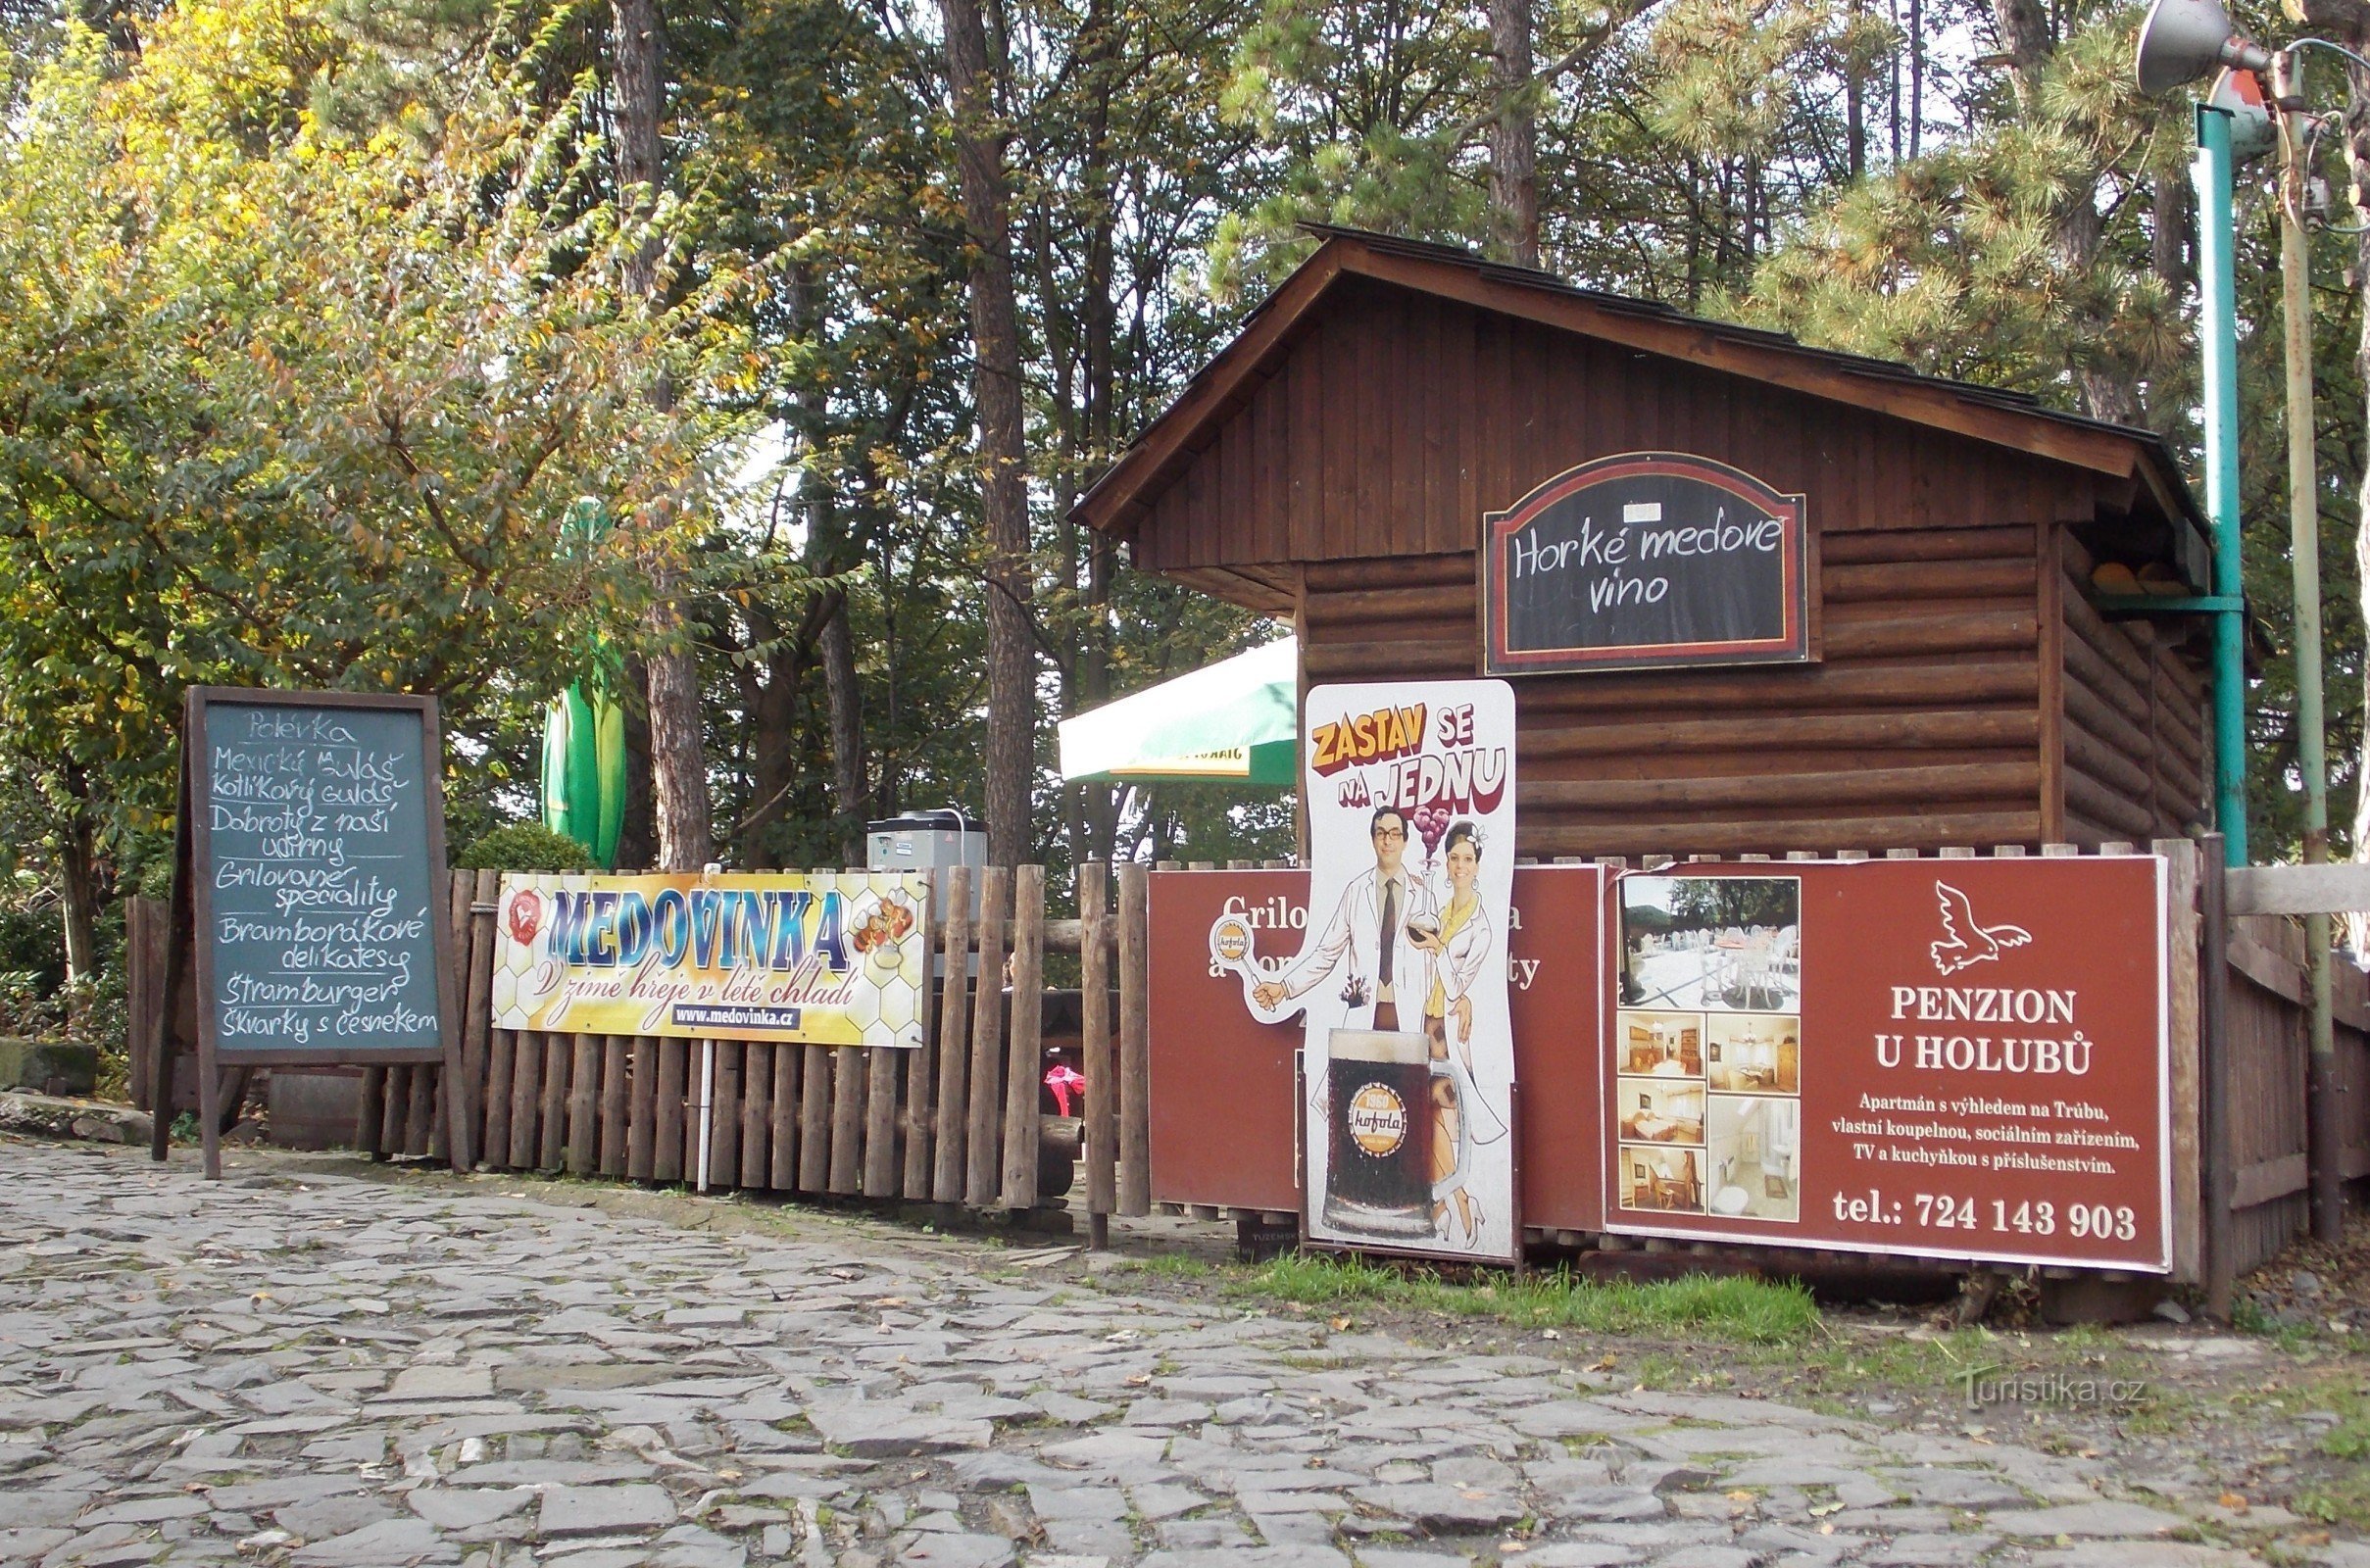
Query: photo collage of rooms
1708, 1046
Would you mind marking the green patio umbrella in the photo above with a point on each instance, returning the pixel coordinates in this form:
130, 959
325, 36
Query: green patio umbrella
1236, 719
584, 730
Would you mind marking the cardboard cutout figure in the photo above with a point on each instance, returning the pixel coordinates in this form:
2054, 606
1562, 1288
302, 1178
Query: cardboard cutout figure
1408, 1060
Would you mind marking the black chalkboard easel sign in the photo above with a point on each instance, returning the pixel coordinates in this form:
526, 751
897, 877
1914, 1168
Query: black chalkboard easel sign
309, 925
1645, 560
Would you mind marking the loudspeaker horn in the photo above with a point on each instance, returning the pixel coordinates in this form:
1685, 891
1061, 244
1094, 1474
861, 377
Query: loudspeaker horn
2183, 39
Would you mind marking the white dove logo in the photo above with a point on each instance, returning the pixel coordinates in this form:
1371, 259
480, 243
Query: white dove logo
1965, 943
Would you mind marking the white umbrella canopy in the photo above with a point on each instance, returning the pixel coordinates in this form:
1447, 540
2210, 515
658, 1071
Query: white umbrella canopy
1235, 719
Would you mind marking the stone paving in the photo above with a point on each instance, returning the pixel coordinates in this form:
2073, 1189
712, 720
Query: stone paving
331, 1372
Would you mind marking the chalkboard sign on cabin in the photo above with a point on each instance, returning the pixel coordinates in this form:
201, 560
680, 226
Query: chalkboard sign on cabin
1645, 560
311, 916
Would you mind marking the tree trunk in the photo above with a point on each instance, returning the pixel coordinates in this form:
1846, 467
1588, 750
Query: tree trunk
1513, 135
678, 765
1003, 455
78, 880
845, 697
638, 834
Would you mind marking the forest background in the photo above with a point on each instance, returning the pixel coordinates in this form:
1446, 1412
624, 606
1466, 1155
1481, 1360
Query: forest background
316, 316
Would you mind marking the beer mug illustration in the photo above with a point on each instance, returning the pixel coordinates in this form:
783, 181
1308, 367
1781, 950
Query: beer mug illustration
1380, 1116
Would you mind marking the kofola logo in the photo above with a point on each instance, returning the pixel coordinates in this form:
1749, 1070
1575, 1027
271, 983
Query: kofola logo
1377, 1120
1966, 942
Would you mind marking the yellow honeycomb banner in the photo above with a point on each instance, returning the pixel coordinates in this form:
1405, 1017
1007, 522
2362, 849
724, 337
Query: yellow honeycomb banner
825, 957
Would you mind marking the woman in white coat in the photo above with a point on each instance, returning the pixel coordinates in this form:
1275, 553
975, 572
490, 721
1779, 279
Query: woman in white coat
1457, 946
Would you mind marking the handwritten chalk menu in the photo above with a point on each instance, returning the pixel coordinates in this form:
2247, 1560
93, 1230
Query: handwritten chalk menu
1648, 558
317, 852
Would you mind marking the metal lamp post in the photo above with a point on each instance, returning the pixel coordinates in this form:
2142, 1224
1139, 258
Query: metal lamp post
2179, 43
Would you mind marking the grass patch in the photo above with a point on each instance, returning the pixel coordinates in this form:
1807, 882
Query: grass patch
1168, 1265
1733, 1308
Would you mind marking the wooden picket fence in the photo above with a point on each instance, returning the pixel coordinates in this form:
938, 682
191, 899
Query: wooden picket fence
956, 1121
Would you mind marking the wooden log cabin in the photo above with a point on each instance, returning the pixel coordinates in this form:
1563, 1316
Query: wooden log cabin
1334, 463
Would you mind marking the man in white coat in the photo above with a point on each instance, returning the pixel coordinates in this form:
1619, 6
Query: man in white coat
1368, 937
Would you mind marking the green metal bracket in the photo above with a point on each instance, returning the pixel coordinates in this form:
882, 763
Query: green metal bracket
2169, 604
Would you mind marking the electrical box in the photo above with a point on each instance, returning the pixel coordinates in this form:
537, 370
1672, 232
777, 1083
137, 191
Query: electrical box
923, 840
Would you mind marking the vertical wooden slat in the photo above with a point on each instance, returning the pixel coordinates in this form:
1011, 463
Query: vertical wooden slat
984, 1180
782, 1137
724, 1118
757, 1114
2182, 938
666, 1111
815, 1120
457, 1085
584, 1086
370, 1122
847, 1119
922, 1063
884, 1065
526, 1094
477, 1024
1098, 1060
641, 1108
1135, 1042
614, 1050
420, 1116
953, 1056
551, 1117
1025, 1066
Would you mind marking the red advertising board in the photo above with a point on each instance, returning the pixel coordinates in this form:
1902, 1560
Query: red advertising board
1222, 1093
1954, 1058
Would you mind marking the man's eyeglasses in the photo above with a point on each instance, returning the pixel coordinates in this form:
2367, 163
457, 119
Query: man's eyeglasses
1390, 832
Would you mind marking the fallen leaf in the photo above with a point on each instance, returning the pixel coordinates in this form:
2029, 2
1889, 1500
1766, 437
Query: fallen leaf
2234, 1502
1820, 1510
890, 1300
1340, 1323
1604, 1365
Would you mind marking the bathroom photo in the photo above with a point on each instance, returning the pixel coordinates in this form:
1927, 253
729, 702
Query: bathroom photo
1754, 1158
1660, 1045
1753, 1053
1663, 1179
1660, 1111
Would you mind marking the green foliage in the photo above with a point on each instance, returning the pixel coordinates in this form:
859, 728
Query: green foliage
1732, 1307
524, 846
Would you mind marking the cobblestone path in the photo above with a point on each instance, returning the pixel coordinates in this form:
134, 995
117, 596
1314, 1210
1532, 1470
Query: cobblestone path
325, 1371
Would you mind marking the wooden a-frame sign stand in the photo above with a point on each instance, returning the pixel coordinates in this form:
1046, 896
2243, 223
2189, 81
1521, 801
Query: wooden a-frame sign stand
189, 1020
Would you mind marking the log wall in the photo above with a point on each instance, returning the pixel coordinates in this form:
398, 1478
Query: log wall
2135, 718
1919, 727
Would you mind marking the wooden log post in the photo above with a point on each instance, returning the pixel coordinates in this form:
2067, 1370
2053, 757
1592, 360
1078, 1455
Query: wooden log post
2181, 958
1098, 1059
921, 1065
1025, 1066
667, 1114
527, 1093
1135, 1040
983, 1178
847, 1119
472, 951
583, 1105
724, 1116
552, 1114
815, 1119
642, 1110
946, 1164
757, 1114
615, 1052
782, 1161
2219, 1175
